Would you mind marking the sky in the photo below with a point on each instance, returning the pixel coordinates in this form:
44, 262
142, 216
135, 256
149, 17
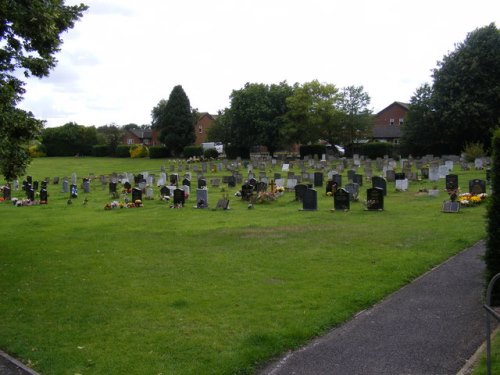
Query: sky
124, 56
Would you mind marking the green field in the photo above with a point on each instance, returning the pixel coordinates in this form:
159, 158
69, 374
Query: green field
155, 290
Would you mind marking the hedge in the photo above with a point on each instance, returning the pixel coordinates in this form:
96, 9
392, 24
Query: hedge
211, 153
158, 152
192, 151
311, 150
100, 150
233, 152
122, 151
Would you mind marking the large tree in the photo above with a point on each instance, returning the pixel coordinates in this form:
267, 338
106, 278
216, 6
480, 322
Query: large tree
358, 118
462, 104
175, 120
312, 114
29, 38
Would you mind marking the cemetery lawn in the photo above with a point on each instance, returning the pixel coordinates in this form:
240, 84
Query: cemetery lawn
188, 291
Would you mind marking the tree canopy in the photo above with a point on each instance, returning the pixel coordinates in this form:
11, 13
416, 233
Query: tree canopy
29, 38
462, 104
175, 120
69, 140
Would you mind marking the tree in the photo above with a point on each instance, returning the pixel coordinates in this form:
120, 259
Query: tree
354, 102
29, 38
312, 114
419, 132
111, 136
69, 140
175, 120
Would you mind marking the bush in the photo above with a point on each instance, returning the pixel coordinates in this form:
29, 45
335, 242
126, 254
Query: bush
122, 151
473, 150
211, 153
312, 150
100, 150
158, 152
138, 151
373, 150
37, 150
192, 151
492, 255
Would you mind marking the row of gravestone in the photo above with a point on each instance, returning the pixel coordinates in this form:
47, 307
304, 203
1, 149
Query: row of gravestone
342, 199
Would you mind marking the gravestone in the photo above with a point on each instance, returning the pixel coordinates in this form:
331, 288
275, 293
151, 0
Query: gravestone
86, 185
231, 182
350, 175
400, 176
402, 185
174, 179
222, 204
247, 192
341, 200
201, 198
380, 182
6, 193
261, 187
179, 198
337, 178
44, 184
291, 183
443, 171
55, 181
30, 194
127, 186
29, 179
390, 175
433, 173
112, 187
35, 185
149, 193
310, 200
374, 199
65, 186
451, 207
318, 179
215, 182
477, 186
44, 196
451, 182
164, 191
353, 190
300, 191
478, 163
73, 191
187, 182
136, 194
424, 172
73, 178
202, 183
358, 179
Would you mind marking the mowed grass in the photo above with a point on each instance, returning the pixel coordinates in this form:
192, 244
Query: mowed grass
155, 290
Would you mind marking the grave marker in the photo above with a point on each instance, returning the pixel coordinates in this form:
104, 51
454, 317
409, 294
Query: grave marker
310, 200
374, 199
341, 200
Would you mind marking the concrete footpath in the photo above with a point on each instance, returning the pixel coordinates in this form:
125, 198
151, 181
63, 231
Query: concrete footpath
429, 327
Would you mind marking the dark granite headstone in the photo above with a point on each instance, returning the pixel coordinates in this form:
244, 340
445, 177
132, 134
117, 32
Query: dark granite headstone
6, 193
300, 190
179, 197
247, 192
379, 182
375, 199
30, 194
341, 200
331, 186
187, 182
337, 178
424, 172
112, 187
164, 191
350, 174
310, 200
202, 183
136, 194
44, 196
86, 185
358, 179
477, 186
29, 179
390, 175
318, 179
400, 176
35, 185
231, 181
73, 191
174, 178
353, 190
451, 182
222, 204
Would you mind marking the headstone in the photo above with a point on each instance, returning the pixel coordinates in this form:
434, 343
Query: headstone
353, 190
65, 186
290, 183
179, 197
73, 178
478, 163
44, 196
231, 181
310, 200
285, 167
433, 173
35, 185
202, 183
424, 172
186, 182
149, 193
30, 194
73, 191
318, 179
174, 179
86, 185
112, 187
358, 179
402, 185
400, 176
451, 182
380, 182
261, 187
6, 193
350, 174
451, 207
341, 200
201, 198
223, 204
337, 178
136, 194
449, 164
55, 181
247, 191
164, 191
477, 186
331, 187
390, 175
374, 199
300, 191
443, 171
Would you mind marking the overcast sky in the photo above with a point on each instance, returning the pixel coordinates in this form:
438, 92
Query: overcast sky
124, 56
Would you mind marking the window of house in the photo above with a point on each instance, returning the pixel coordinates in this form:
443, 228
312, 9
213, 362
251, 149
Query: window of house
200, 129
391, 121
130, 141
401, 120
146, 141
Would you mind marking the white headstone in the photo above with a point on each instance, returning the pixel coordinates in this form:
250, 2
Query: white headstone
402, 184
285, 168
443, 171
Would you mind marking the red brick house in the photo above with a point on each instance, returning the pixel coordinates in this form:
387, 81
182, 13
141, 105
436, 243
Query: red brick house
148, 137
387, 126
205, 121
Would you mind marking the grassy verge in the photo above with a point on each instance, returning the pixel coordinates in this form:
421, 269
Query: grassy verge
184, 291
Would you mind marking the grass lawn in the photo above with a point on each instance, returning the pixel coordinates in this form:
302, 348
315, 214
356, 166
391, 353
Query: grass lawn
184, 291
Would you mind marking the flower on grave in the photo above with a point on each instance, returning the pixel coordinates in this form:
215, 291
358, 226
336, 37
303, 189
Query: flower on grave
138, 203
280, 189
107, 206
329, 194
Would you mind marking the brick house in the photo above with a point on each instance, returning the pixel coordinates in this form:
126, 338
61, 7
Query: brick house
387, 125
148, 137
205, 121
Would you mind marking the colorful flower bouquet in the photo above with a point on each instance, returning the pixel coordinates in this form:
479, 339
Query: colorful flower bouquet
469, 200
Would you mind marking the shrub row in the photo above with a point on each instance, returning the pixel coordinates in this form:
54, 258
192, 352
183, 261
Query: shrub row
311, 150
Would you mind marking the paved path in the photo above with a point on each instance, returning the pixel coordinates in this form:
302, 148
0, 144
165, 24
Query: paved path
430, 327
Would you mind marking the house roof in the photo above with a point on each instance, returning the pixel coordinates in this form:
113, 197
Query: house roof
406, 106
142, 133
